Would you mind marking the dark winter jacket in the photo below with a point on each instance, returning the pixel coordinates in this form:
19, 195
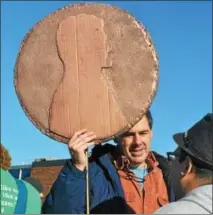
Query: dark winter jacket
68, 193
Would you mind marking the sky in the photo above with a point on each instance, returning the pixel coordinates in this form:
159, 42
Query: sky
182, 34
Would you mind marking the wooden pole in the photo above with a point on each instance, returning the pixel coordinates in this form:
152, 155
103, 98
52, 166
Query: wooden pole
87, 185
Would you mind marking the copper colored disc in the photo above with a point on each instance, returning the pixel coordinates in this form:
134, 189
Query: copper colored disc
86, 66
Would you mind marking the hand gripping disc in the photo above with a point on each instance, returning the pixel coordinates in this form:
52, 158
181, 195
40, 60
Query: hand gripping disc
86, 66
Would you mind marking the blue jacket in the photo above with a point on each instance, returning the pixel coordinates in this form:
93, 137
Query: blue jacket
68, 193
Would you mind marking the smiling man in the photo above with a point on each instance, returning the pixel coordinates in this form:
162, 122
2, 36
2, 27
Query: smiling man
136, 142
142, 181
127, 178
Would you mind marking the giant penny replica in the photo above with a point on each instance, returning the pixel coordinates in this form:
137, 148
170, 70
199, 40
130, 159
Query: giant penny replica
88, 66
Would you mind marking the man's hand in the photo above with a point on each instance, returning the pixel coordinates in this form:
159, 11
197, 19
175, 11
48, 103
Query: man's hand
78, 144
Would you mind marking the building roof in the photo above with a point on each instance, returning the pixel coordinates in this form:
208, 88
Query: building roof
39, 163
60, 162
25, 166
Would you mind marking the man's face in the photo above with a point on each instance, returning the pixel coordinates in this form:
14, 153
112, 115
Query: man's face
136, 142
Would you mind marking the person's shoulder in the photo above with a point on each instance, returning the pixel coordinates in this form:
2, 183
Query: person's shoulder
171, 208
180, 207
163, 162
159, 156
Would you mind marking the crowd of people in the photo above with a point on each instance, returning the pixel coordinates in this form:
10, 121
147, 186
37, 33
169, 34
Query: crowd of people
124, 178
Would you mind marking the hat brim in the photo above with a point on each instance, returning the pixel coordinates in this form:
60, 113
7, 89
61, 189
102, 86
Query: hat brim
179, 139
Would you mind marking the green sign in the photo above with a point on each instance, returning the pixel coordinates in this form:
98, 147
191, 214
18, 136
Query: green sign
33, 200
9, 193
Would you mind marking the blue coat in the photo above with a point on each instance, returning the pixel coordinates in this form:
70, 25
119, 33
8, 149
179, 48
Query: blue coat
68, 193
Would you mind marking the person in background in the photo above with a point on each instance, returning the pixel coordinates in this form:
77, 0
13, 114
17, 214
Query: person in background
127, 178
193, 159
5, 158
17, 196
